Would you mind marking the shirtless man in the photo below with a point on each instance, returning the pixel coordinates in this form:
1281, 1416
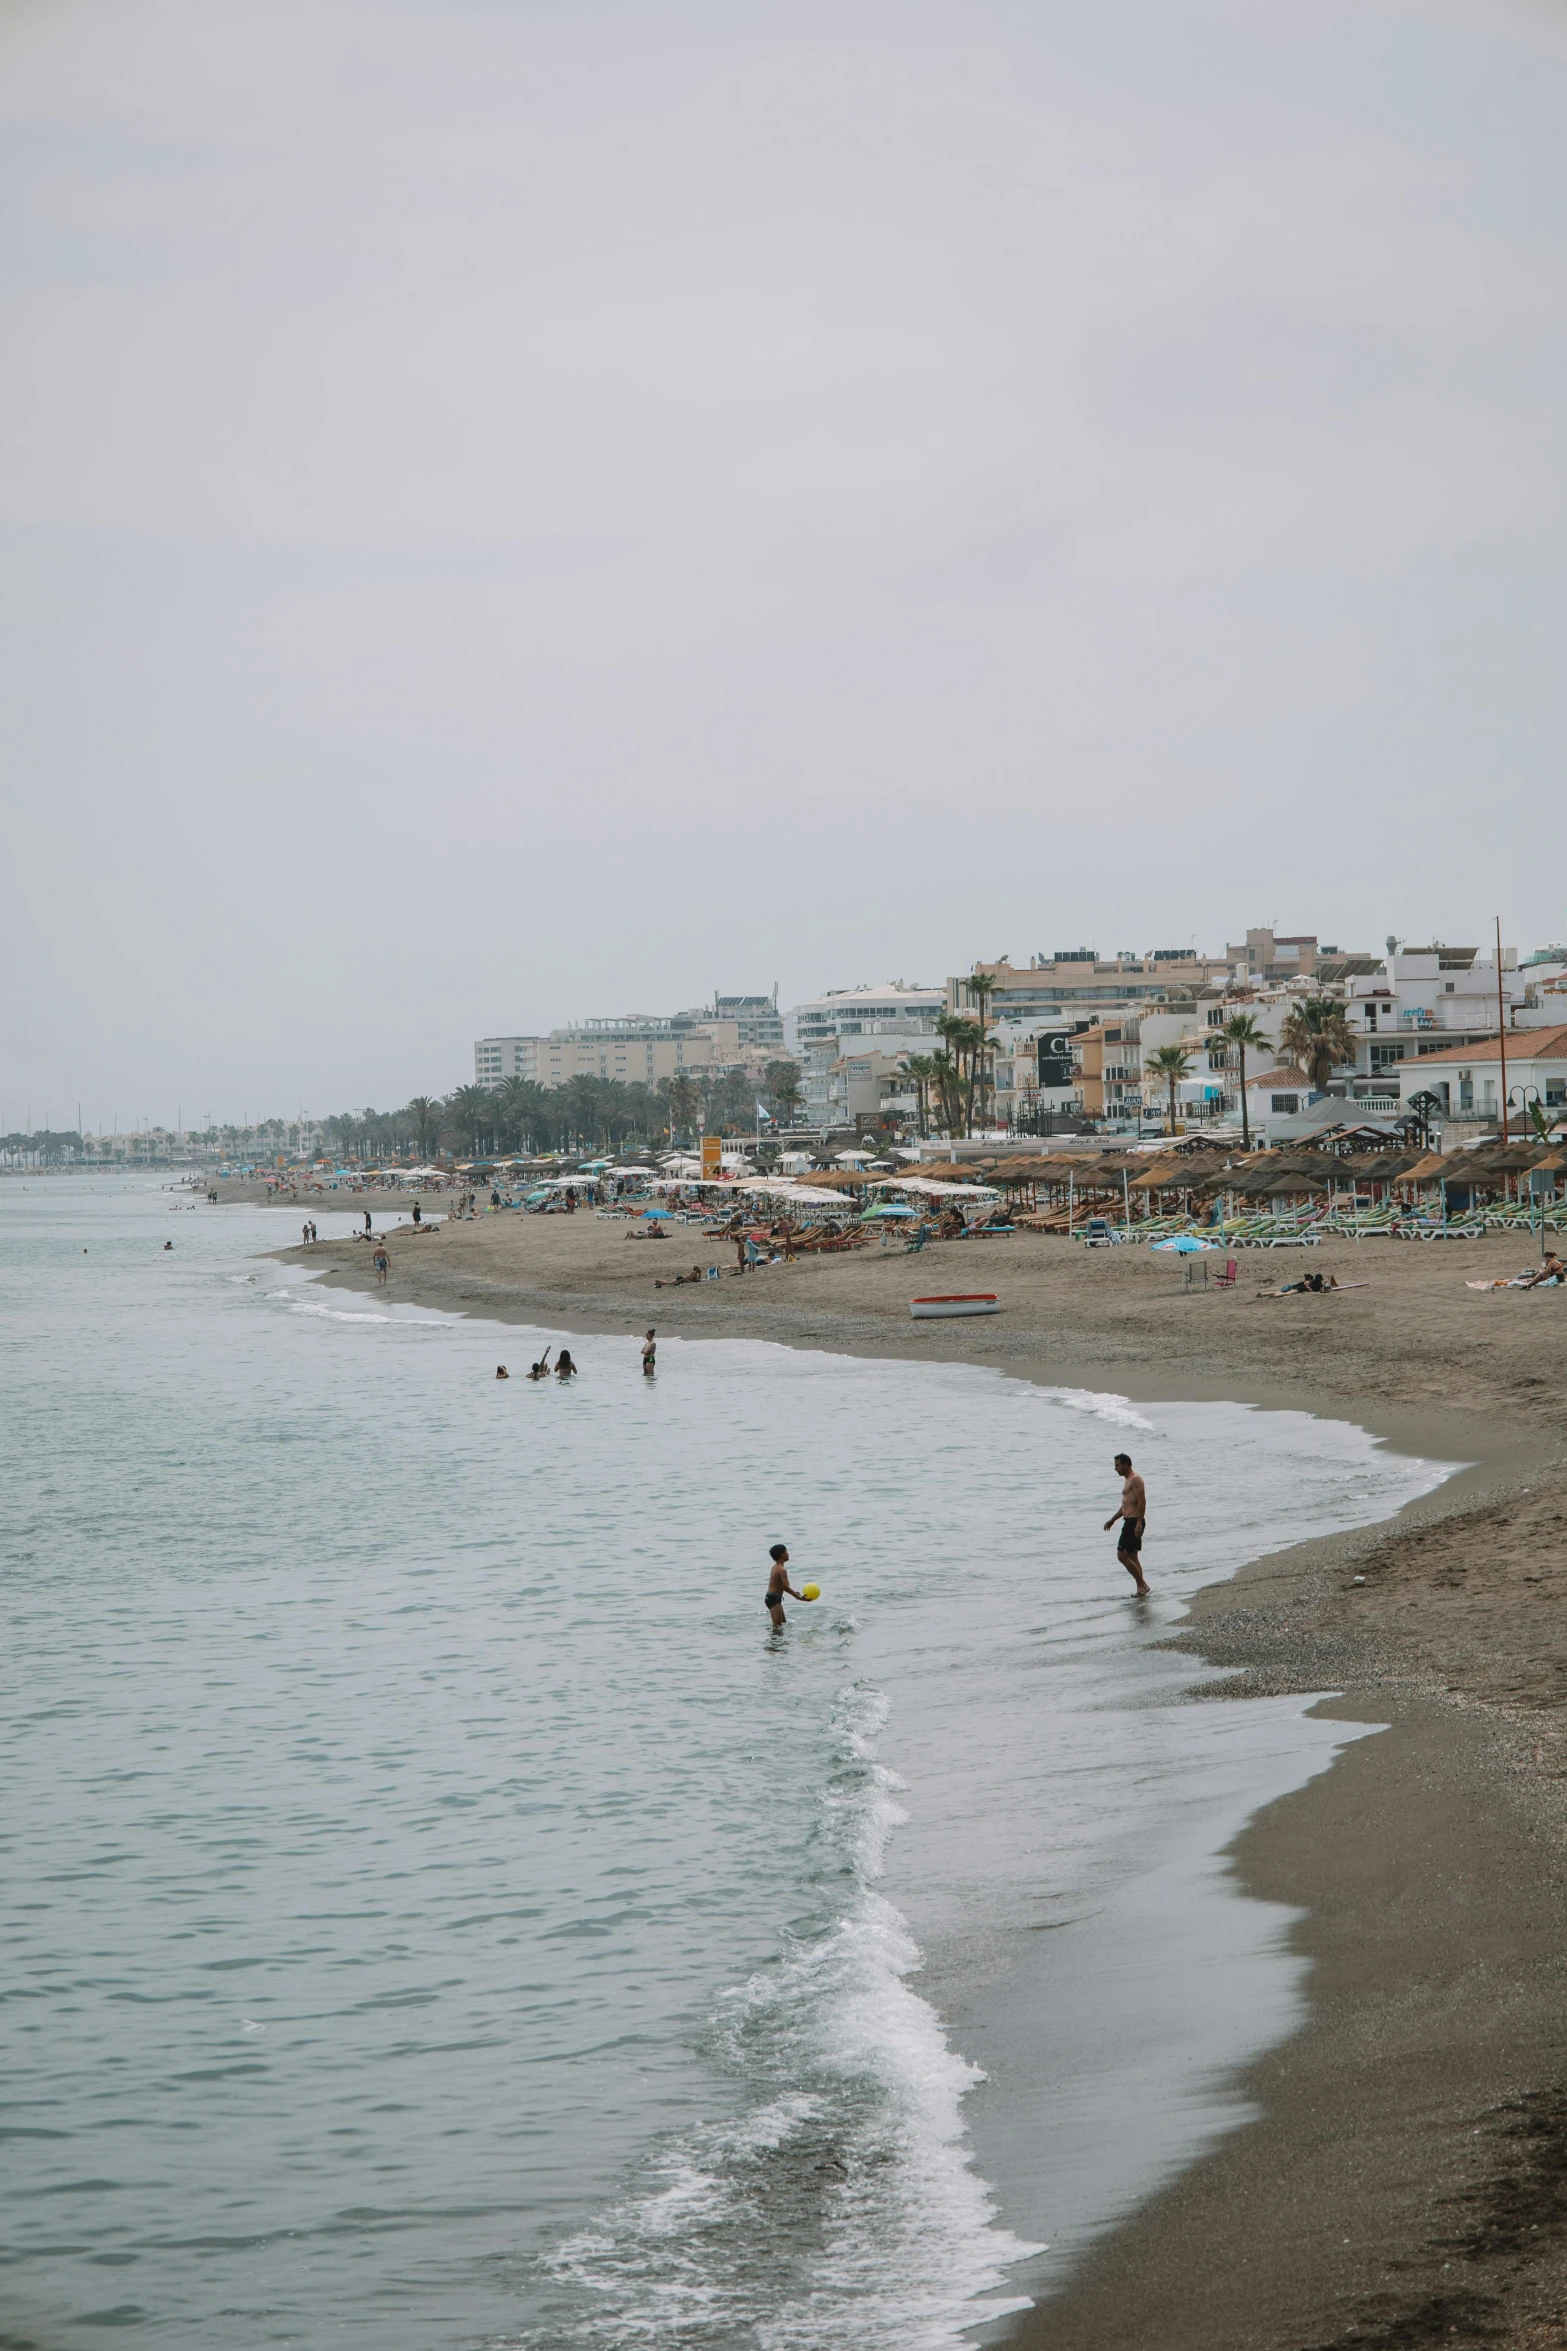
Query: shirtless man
777, 1585
1133, 1515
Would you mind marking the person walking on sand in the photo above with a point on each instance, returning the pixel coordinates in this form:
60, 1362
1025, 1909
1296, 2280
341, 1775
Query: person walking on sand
1133, 1515
649, 1356
777, 1585
383, 1266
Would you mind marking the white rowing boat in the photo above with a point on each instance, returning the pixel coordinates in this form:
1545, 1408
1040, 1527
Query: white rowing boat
955, 1302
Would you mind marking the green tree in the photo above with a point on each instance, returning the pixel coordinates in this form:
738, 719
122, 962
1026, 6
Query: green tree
922, 1069
782, 1079
1243, 1031
469, 1118
965, 1043
947, 1080
731, 1102
685, 1104
1171, 1063
1317, 1038
521, 1110
424, 1110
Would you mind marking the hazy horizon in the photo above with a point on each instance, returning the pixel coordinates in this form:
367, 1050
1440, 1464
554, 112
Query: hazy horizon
509, 514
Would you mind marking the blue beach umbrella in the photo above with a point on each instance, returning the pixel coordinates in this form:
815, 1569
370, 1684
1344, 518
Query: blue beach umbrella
655, 1212
1187, 1245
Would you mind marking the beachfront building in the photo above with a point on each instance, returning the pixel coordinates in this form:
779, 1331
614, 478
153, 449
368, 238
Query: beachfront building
1077, 983
1466, 1079
1423, 1000
639, 1048
1056, 1053
1267, 956
868, 1090
1035, 1071
495, 1058
894, 1020
756, 1019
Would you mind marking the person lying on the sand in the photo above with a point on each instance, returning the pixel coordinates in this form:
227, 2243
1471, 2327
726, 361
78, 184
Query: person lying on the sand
1530, 1279
695, 1275
1318, 1283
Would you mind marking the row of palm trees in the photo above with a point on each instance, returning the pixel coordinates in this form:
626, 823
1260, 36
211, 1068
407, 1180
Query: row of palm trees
588, 1113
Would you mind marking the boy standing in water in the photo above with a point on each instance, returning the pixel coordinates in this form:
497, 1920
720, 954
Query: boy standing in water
1133, 1515
649, 1355
777, 1584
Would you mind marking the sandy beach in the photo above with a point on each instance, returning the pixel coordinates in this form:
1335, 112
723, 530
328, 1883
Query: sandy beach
1406, 2179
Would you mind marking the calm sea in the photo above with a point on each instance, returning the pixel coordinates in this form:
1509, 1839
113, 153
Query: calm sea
438, 1915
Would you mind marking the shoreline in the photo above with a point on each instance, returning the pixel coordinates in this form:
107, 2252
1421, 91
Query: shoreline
1405, 2177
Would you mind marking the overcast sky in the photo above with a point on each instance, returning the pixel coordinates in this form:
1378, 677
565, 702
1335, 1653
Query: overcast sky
515, 511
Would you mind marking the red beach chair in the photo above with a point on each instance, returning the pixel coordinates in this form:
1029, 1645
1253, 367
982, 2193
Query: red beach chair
1230, 1276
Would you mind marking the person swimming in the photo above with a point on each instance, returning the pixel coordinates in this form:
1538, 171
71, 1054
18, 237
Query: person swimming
565, 1369
501, 1372
541, 1369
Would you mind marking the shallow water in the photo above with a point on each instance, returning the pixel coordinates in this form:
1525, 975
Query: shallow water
440, 1915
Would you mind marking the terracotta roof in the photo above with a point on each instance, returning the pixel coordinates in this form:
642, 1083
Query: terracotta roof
1522, 1045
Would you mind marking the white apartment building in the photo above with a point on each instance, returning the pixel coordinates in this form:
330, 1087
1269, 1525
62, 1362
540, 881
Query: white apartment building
1467, 1079
869, 1086
889, 1021
900, 1017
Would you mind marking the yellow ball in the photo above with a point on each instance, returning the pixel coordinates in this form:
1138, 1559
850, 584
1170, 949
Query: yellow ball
810, 1591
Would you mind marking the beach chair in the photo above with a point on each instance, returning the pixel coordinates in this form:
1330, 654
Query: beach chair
1230, 1276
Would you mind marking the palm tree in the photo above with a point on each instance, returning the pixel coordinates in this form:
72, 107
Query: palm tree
944, 1077
1243, 1031
685, 1103
922, 1069
522, 1108
965, 1042
424, 1110
1317, 1038
1170, 1062
470, 1113
782, 1079
981, 988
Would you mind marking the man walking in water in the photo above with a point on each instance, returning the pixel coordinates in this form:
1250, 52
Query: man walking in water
1133, 1515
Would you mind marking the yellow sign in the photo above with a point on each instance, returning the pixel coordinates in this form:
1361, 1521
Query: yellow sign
712, 1156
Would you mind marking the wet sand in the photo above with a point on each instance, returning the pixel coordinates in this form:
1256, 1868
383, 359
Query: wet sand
1405, 2182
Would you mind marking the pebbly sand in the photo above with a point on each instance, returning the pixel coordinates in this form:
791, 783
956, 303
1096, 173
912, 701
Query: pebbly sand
1406, 2181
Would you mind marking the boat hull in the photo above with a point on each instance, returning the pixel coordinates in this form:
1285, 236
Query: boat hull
970, 1302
